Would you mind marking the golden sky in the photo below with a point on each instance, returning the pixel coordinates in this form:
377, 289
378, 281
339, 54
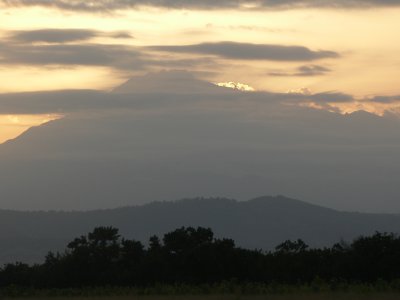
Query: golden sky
130, 41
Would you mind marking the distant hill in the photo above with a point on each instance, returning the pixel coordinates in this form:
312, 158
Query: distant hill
258, 223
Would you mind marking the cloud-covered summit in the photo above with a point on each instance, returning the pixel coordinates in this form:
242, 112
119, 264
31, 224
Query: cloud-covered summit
166, 88
174, 81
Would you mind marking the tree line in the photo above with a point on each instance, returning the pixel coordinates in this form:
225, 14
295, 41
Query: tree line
194, 256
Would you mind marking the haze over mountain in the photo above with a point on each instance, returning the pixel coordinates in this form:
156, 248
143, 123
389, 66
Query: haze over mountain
111, 110
259, 223
123, 148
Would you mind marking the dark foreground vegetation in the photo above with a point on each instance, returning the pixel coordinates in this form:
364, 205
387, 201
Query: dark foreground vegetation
192, 261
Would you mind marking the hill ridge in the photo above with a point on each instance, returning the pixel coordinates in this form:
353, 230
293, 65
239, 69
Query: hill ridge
262, 223
193, 200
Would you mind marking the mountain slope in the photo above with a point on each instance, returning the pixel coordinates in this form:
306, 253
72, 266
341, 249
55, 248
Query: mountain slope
169, 135
103, 161
259, 223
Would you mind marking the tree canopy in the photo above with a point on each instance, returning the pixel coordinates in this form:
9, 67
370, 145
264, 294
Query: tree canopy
190, 255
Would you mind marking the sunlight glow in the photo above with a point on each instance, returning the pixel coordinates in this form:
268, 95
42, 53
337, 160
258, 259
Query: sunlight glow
301, 91
236, 86
12, 126
368, 62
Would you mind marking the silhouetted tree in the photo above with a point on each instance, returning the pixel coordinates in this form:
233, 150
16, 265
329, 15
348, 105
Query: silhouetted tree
193, 255
292, 246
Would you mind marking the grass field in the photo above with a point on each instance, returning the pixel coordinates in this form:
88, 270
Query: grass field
317, 290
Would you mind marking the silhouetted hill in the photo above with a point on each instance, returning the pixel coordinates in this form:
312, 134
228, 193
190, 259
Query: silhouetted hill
259, 223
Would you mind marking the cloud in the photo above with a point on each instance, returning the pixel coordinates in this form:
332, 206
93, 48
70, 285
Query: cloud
168, 90
304, 71
62, 35
168, 87
118, 56
385, 99
119, 35
300, 91
53, 35
248, 51
312, 70
332, 97
110, 5
51, 102
236, 86
19, 49
131, 95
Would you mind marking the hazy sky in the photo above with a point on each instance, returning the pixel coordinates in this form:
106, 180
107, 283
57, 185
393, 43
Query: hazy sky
311, 46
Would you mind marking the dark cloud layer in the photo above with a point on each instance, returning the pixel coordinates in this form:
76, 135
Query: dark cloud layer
109, 5
19, 49
68, 47
62, 35
118, 56
167, 87
331, 97
304, 71
385, 99
312, 70
54, 35
247, 51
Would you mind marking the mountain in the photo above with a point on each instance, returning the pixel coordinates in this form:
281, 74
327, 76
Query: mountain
258, 223
146, 142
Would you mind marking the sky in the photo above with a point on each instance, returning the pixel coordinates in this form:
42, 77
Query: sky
311, 46
111, 103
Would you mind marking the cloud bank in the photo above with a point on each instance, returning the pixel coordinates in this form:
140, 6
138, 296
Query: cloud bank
117, 56
303, 71
248, 51
110, 5
62, 35
164, 88
72, 47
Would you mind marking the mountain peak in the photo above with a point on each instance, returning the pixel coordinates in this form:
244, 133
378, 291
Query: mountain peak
176, 81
